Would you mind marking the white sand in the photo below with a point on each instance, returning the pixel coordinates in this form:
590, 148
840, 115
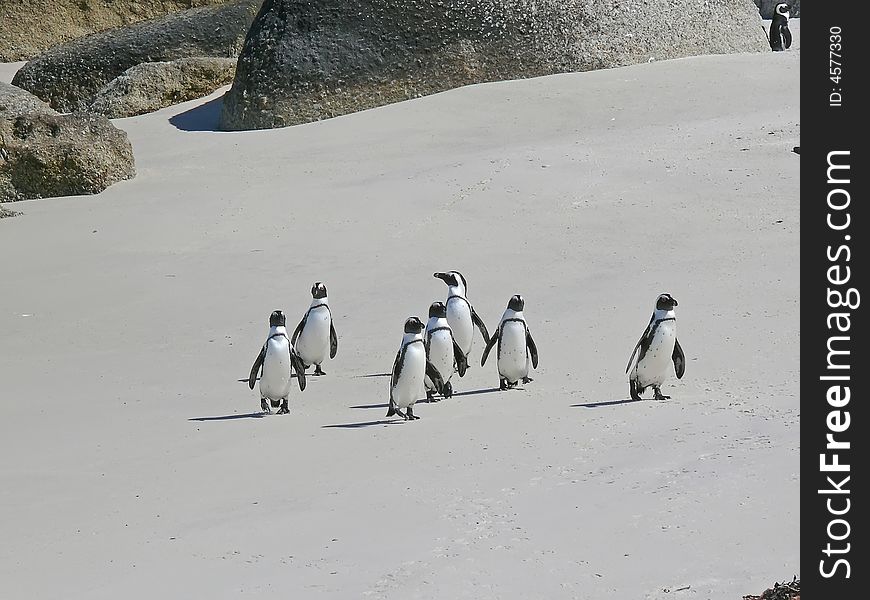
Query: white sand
132, 465
8, 70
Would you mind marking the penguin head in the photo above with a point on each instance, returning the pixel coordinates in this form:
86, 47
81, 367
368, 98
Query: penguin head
437, 310
413, 325
782, 9
665, 302
453, 279
277, 319
318, 290
516, 303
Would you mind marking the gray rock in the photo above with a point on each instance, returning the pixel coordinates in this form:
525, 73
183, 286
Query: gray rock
69, 76
15, 102
305, 60
32, 26
44, 154
152, 86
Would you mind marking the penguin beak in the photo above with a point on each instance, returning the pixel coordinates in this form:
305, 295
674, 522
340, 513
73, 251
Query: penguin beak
441, 276
675, 302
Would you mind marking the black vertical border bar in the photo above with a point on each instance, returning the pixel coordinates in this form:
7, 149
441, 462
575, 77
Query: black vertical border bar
830, 126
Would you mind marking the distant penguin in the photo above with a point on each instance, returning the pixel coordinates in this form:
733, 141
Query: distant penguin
658, 346
516, 348
315, 334
275, 360
442, 350
460, 314
409, 370
780, 36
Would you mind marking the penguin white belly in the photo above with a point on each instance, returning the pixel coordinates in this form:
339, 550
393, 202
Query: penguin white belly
656, 364
513, 358
459, 317
409, 386
275, 380
441, 356
312, 345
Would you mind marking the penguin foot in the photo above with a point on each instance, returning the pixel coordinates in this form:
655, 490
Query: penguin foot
502, 384
527, 380
318, 371
283, 411
430, 396
448, 390
635, 393
401, 414
411, 416
659, 395
265, 406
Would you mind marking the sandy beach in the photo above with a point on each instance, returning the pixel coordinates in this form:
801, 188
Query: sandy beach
135, 465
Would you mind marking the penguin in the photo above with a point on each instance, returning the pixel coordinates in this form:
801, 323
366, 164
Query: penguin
275, 360
409, 370
460, 313
516, 348
442, 351
780, 36
658, 346
315, 334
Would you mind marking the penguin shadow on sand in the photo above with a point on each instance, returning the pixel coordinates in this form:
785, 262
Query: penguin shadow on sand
603, 403
480, 391
364, 424
233, 417
394, 421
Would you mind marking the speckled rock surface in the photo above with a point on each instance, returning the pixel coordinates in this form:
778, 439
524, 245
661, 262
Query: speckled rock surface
151, 86
15, 102
69, 76
43, 153
305, 60
32, 26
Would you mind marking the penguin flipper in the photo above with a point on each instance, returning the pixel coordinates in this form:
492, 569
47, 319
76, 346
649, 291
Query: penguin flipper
475, 318
786, 36
298, 329
258, 363
533, 349
299, 367
435, 376
397, 370
333, 340
461, 360
679, 360
640, 342
489, 346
